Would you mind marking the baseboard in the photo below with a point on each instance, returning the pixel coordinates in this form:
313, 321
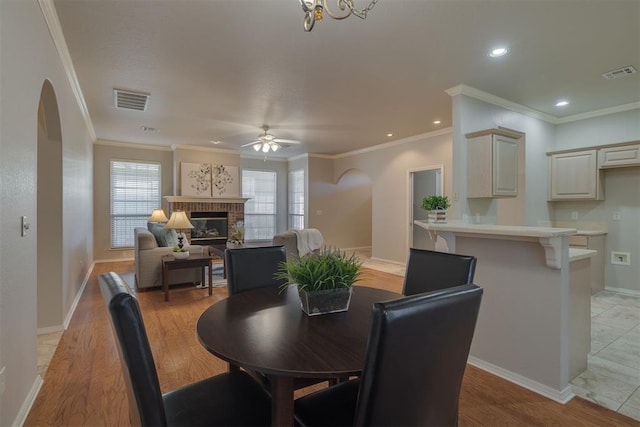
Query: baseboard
625, 291
560, 396
388, 261
51, 329
21, 417
76, 300
357, 248
98, 261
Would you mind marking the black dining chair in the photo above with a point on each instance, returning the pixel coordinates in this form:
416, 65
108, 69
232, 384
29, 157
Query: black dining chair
415, 360
232, 398
432, 270
250, 268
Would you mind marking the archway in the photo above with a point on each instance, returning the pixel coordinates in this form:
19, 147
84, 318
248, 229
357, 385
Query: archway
49, 212
353, 209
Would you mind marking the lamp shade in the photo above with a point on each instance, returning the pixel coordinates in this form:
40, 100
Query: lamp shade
158, 216
178, 221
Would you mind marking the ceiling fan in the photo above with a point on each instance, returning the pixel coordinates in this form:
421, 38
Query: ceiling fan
268, 142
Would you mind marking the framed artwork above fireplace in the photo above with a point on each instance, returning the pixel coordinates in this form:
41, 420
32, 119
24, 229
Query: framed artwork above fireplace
195, 179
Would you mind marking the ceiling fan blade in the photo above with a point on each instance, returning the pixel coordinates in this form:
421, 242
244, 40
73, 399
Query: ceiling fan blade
286, 141
251, 143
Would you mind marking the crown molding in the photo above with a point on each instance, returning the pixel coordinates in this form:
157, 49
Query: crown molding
55, 30
131, 145
598, 113
202, 148
500, 102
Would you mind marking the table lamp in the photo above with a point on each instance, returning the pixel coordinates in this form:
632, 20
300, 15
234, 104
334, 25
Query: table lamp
158, 216
178, 222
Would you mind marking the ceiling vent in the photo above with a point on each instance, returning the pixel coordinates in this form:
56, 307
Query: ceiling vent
620, 72
130, 100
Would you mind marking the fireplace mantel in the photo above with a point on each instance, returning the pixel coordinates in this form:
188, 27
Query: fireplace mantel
186, 199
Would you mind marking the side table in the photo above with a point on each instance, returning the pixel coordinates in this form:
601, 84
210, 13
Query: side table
170, 263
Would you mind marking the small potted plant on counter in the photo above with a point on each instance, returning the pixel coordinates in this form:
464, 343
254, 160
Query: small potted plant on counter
324, 279
437, 207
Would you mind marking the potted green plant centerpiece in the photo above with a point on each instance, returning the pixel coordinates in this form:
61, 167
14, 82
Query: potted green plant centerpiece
437, 207
324, 279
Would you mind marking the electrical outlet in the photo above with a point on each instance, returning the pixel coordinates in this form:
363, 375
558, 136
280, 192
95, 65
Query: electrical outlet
616, 216
574, 215
620, 258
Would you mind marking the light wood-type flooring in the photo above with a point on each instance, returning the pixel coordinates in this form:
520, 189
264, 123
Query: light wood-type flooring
83, 385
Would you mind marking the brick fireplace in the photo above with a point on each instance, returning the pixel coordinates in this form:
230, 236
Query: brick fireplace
233, 207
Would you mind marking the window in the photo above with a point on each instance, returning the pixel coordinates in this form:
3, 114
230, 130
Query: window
260, 209
296, 199
135, 193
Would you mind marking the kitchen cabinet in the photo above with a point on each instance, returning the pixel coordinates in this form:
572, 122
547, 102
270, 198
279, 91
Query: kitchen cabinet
492, 165
594, 241
620, 156
575, 176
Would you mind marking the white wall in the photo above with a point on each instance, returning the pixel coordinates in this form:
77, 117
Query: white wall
608, 129
27, 58
471, 115
388, 168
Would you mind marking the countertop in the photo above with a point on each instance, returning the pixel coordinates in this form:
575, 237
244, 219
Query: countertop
498, 230
590, 233
576, 254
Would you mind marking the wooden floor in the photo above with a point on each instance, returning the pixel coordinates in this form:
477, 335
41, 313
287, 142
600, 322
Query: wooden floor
84, 387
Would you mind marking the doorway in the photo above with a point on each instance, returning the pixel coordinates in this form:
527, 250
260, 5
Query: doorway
49, 213
422, 182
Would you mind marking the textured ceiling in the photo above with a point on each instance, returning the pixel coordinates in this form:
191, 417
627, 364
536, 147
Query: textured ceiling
220, 69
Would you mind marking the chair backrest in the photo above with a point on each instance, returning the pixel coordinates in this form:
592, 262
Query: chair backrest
431, 271
140, 376
250, 268
416, 357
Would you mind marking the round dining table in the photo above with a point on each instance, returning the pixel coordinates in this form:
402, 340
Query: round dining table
265, 330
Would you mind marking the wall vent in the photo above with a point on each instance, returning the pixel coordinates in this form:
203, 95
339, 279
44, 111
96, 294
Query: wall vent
130, 100
620, 72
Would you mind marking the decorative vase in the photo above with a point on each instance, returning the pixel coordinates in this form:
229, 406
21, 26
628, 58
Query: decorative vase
438, 216
326, 301
181, 255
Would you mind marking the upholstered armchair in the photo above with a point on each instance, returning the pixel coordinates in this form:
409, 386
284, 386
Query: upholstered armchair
299, 242
148, 262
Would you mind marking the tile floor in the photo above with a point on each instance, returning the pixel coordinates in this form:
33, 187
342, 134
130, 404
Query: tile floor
612, 378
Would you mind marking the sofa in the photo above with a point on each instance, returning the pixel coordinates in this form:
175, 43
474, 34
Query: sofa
148, 262
299, 242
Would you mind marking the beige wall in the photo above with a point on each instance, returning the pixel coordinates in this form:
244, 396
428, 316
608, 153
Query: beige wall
28, 57
341, 210
388, 169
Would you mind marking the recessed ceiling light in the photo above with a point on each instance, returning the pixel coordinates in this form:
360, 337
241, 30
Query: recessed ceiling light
436, 122
498, 52
215, 142
389, 135
562, 103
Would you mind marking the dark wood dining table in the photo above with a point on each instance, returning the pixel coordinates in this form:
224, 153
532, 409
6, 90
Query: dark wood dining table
265, 330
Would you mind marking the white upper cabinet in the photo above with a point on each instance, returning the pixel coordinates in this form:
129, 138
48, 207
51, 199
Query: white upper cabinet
575, 176
492, 166
621, 156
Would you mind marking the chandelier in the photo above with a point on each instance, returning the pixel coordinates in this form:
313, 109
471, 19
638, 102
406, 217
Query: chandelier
314, 9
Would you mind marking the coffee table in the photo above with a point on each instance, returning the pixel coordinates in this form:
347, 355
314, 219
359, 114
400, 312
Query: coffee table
193, 261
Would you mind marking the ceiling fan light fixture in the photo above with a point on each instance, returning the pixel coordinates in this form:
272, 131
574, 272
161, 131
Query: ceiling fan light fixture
265, 148
257, 147
274, 147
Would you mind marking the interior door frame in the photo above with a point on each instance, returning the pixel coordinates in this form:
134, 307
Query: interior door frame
410, 186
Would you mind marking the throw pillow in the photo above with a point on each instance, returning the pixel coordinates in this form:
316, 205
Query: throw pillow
164, 237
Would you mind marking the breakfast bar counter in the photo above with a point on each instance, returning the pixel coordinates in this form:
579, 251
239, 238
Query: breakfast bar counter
534, 323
